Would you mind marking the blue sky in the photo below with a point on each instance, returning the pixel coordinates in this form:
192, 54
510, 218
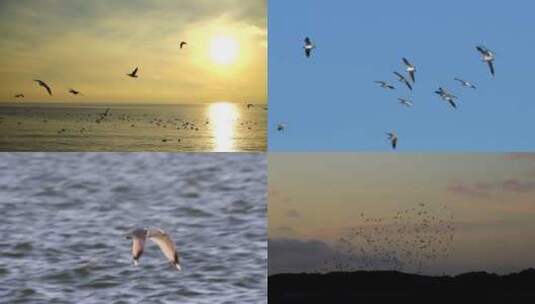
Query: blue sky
330, 103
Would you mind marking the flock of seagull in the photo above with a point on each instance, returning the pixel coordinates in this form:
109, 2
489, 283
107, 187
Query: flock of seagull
409, 81
178, 123
410, 239
74, 92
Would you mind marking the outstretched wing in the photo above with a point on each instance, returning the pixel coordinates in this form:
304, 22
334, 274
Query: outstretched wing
491, 67
406, 61
407, 83
483, 50
167, 246
138, 245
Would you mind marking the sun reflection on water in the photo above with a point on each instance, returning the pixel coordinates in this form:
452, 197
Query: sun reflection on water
223, 116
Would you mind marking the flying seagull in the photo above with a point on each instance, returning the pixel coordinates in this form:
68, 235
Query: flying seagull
384, 85
134, 73
309, 46
44, 85
465, 83
404, 80
74, 92
20, 95
158, 236
487, 56
182, 44
411, 69
281, 127
405, 102
446, 96
393, 139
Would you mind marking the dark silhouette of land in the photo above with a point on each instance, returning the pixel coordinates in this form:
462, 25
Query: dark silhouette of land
346, 287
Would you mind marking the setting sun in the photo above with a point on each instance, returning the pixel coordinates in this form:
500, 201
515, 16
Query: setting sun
223, 50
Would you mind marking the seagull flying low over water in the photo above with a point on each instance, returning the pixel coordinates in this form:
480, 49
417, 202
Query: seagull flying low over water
411, 69
309, 46
393, 139
158, 236
405, 102
446, 96
182, 44
74, 92
44, 85
281, 127
487, 56
134, 73
20, 95
404, 80
465, 83
384, 85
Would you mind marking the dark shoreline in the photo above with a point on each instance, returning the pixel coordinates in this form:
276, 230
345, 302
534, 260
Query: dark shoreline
346, 287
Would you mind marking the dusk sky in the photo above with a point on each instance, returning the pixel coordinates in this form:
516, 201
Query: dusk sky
92, 45
314, 198
330, 103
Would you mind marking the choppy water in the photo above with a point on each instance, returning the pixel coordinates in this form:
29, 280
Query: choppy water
64, 216
209, 127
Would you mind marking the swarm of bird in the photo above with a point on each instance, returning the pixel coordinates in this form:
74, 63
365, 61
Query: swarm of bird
410, 239
409, 81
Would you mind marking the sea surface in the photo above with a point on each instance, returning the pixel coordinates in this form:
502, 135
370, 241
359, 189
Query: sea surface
221, 127
64, 216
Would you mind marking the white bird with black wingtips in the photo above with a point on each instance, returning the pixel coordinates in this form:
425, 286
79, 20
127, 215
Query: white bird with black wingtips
487, 56
411, 69
465, 83
393, 139
405, 102
384, 85
446, 96
402, 78
308, 47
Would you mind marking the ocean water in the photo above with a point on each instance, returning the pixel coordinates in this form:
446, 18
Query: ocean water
221, 127
64, 216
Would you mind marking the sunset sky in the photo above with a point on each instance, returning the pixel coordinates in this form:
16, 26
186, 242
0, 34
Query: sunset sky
314, 198
91, 46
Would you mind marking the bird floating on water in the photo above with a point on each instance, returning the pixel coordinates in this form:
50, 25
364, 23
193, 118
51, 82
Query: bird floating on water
158, 236
403, 79
465, 83
134, 73
411, 69
487, 56
393, 139
44, 85
308, 47
384, 85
